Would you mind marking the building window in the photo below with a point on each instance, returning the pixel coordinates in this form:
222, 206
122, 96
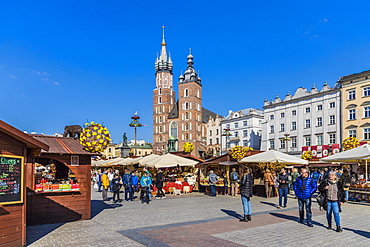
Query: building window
366, 91
272, 145
352, 114
331, 104
173, 129
294, 112
210, 133
245, 123
294, 125
160, 90
186, 92
227, 126
272, 130
186, 116
160, 119
210, 141
352, 133
351, 94
308, 110
245, 143
216, 132
282, 143
217, 141
271, 117
186, 136
331, 138
186, 126
160, 129
367, 133
294, 142
282, 127
308, 141
319, 140
332, 119
186, 106
159, 100
308, 123
367, 111
236, 134
319, 121
245, 133
236, 125
282, 115
319, 107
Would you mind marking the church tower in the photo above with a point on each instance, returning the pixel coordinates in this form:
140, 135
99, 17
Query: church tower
163, 98
190, 109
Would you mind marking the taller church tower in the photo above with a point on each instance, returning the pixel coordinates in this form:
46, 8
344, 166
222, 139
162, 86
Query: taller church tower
163, 98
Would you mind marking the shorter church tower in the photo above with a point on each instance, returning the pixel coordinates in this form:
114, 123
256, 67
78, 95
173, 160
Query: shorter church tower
163, 99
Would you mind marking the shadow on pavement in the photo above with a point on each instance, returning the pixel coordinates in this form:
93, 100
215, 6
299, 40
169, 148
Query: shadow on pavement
270, 204
359, 232
34, 233
232, 213
284, 216
98, 205
358, 203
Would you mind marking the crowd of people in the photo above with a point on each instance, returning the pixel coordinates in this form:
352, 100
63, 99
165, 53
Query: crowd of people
109, 180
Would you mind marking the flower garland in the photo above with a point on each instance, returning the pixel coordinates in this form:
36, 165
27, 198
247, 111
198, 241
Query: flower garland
237, 152
95, 137
350, 142
248, 149
188, 147
307, 155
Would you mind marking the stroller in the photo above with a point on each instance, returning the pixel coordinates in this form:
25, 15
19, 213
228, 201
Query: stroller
144, 195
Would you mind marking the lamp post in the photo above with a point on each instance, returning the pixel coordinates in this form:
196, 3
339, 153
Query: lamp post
135, 124
227, 134
286, 139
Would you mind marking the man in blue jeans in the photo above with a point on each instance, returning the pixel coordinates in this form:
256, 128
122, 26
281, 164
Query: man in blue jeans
283, 179
212, 182
304, 187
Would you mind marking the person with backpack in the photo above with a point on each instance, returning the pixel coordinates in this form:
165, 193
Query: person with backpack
345, 180
234, 179
145, 183
304, 187
333, 192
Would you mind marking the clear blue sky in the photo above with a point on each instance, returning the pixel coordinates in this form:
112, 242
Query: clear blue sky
62, 62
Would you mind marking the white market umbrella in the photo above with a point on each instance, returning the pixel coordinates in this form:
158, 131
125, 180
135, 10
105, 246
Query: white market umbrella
360, 153
144, 159
273, 156
169, 160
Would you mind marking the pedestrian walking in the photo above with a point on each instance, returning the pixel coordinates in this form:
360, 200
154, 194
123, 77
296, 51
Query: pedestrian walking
333, 192
246, 192
276, 184
294, 175
304, 187
145, 183
212, 182
105, 185
345, 181
269, 182
159, 179
98, 180
226, 184
110, 177
116, 186
135, 184
234, 180
283, 179
127, 183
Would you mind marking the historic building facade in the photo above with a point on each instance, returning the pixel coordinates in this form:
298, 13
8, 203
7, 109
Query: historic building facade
244, 126
213, 134
307, 120
356, 106
182, 120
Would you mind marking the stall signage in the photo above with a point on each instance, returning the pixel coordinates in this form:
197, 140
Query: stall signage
11, 179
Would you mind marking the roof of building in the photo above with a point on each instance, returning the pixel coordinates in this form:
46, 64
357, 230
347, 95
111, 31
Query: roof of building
174, 113
62, 145
206, 114
244, 112
23, 137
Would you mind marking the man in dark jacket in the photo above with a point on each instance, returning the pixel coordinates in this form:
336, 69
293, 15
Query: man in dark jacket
283, 179
304, 187
127, 183
159, 179
246, 193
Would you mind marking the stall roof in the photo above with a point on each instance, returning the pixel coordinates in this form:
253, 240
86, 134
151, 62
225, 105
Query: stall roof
23, 137
62, 145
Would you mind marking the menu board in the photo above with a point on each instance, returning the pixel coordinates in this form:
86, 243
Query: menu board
11, 179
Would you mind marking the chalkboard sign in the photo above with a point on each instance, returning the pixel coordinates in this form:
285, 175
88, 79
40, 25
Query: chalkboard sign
11, 179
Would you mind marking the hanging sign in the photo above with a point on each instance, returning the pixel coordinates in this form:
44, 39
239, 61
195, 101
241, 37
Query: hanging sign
11, 179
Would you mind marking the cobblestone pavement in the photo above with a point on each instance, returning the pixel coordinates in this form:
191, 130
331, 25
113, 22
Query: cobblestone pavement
199, 220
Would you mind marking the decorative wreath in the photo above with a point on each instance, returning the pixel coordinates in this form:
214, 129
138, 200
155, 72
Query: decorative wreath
307, 155
237, 152
188, 147
350, 142
95, 137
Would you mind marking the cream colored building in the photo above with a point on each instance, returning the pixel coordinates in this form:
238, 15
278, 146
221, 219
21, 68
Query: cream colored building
110, 151
214, 132
356, 106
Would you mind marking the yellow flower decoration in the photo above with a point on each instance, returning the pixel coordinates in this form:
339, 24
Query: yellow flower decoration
350, 142
307, 155
94, 137
188, 147
237, 152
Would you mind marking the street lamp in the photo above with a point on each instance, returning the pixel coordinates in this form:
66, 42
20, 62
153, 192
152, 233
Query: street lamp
227, 134
135, 124
286, 139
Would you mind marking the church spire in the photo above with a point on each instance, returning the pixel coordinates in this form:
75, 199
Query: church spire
164, 62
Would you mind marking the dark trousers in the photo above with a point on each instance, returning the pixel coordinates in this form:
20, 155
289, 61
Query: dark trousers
105, 194
128, 193
213, 189
160, 192
302, 203
99, 186
283, 192
144, 195
116, 193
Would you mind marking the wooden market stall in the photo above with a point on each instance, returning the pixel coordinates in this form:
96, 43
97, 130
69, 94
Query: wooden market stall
60, 190
16, 149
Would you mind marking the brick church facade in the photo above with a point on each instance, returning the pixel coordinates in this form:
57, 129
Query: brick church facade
183, 119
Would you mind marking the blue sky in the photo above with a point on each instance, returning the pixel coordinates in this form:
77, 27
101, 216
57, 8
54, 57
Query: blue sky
65, 62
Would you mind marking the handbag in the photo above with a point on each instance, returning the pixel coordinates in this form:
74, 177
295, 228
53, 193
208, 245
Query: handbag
271, 183
320, 198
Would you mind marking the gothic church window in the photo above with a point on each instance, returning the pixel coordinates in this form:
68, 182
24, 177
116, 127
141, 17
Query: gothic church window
186, 126
186, 106
160, 90
160, 119
160, 129
186, 116
173, 129
186, 92
186, 136
159, 100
